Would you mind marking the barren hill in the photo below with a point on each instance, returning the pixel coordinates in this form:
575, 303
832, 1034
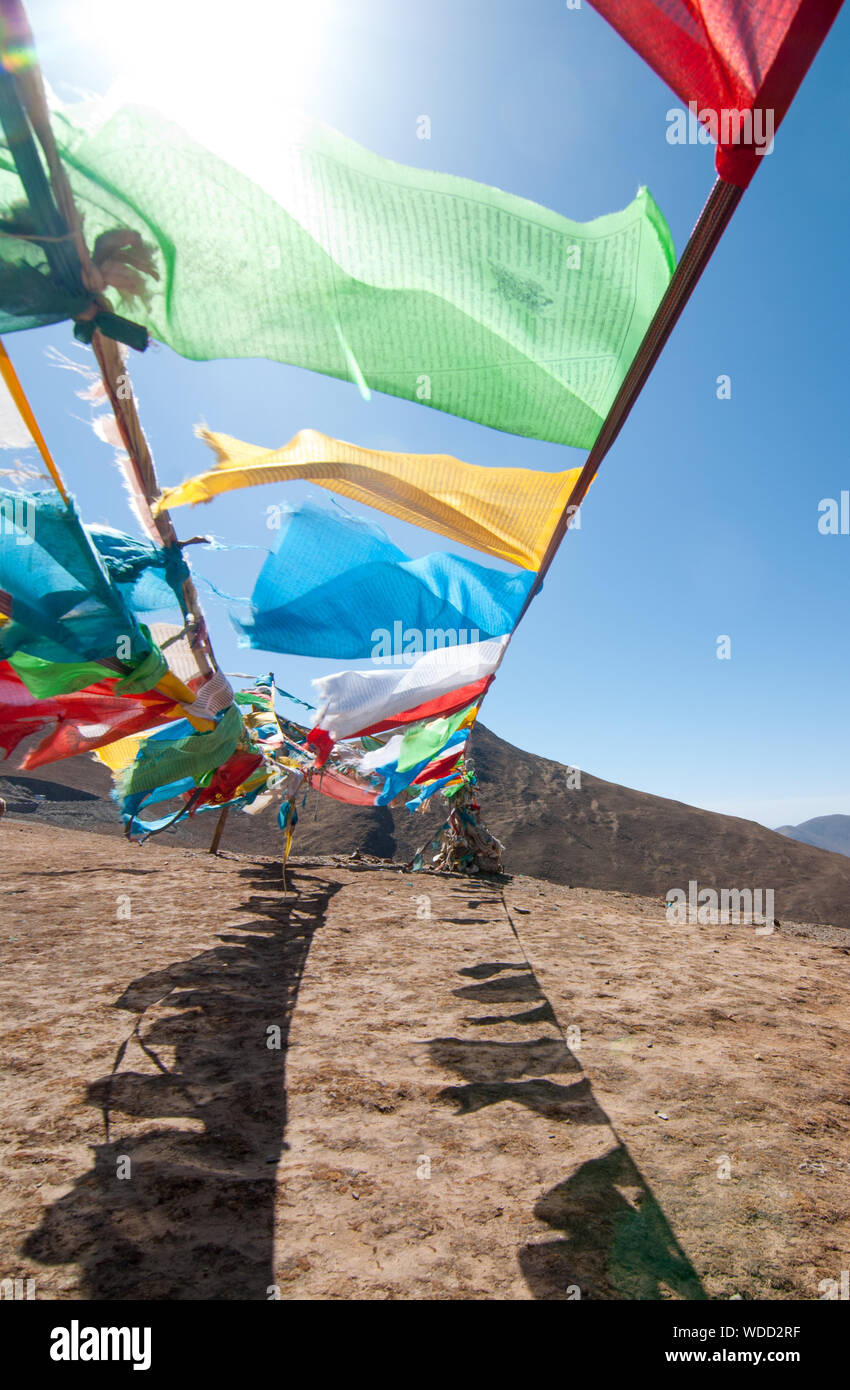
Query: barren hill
826, 832
600, 835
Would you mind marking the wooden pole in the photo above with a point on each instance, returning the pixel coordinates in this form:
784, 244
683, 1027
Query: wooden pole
23, 105
219, 827
115, 376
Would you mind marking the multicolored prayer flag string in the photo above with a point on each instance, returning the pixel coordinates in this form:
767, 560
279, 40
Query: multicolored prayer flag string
429, 287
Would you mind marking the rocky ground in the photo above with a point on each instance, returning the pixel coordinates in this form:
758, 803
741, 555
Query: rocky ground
381, 1086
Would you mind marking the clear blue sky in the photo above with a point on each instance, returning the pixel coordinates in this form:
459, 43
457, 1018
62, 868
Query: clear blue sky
704, 519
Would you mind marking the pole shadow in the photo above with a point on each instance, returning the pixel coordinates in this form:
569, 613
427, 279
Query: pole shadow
194, 1217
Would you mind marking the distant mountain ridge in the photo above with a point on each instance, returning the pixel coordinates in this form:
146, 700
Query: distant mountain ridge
600, 835
824, 832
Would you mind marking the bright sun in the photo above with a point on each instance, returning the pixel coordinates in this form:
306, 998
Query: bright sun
222, 68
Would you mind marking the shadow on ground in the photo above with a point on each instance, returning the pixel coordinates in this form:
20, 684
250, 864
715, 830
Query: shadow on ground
614, 1239
195, 1217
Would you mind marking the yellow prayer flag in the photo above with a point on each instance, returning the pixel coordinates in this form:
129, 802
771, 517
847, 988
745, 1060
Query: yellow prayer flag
120, 753
508, 512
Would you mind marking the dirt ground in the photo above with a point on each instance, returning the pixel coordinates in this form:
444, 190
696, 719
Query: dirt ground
381, 1086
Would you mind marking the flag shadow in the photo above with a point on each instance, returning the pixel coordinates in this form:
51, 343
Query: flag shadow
614, 1240
185, 1209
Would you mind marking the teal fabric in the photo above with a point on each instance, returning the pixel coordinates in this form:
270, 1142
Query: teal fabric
64, 605
147, 576
131, 805
428, 791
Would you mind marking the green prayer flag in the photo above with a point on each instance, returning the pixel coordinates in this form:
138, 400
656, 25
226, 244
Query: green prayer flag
426, 740
146, 673
46, 679
427, 286
172, 755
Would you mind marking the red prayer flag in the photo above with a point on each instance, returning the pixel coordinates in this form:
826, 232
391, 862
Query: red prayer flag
78, 722
341, 788
225, 780
435, 771
454, 700
739, 62
450, 703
